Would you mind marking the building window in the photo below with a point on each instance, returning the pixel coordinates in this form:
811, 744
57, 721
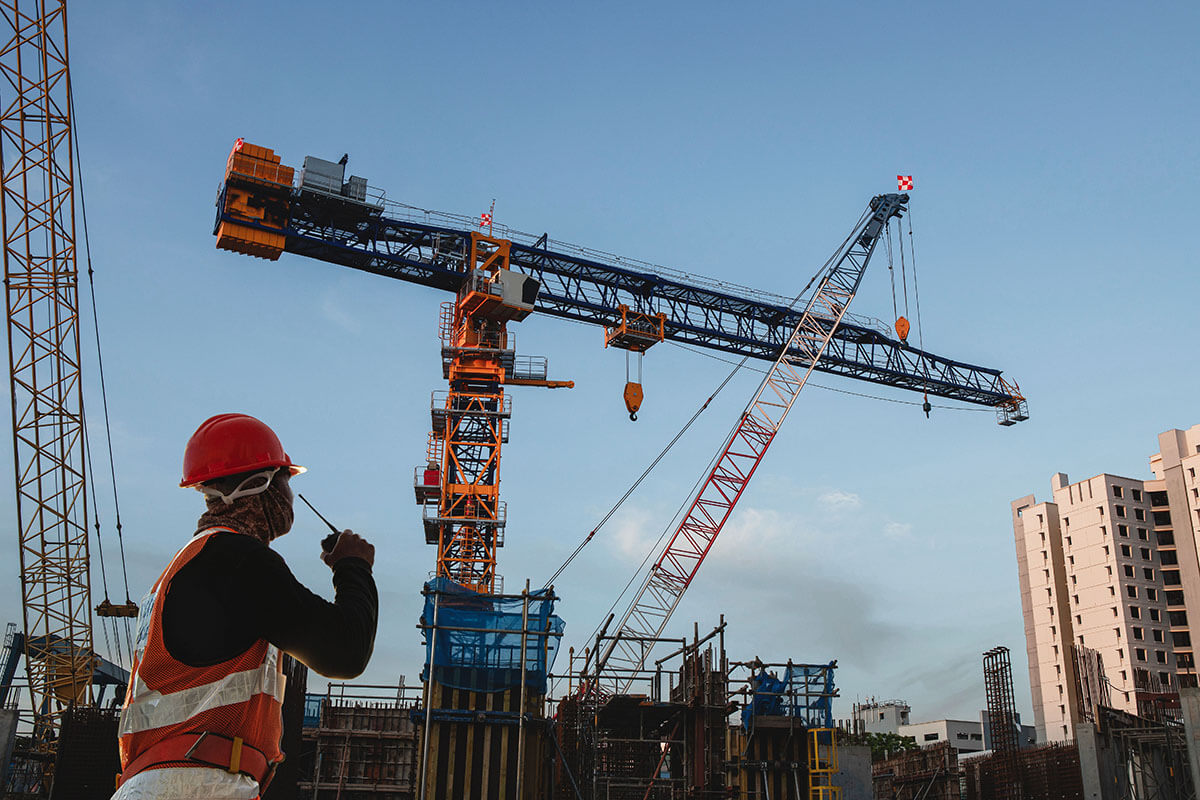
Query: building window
1071, 561
1144, 552
1166, 557
1127, 569
1139, 514
1117, 491
1147, 573
1079, 621
1151, 594
1137, 633
1170, 577
1109, 568
1115, 612
1123, 530
977, 737
1135, 612
1156, 634
1120, 655
1145, 537
881, 715
1162, 518
1177, 619
1121, 512
931, 737
1174, 597
1123, 676
1074, 580
1131, 591
1165, 677
1160, 656
1139, 653
1166, 537
1068, 541
960, 736
1137, 495
1117, 632
1126, 551
1181, 638
1101, 510
1103, 531
1112, 590
1106, 550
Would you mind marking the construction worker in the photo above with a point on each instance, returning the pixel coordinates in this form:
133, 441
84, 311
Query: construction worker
203, 713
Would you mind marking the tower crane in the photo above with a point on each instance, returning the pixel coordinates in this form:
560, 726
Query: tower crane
264, 209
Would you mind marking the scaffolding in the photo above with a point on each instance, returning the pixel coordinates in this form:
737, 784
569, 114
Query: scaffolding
931, 773
786, 745
359, 743
664, 740
485, 680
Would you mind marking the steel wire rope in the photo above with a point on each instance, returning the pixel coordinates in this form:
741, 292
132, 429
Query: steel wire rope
891, 269
903, 270
87, 450
645, 473
912, 251
87, 249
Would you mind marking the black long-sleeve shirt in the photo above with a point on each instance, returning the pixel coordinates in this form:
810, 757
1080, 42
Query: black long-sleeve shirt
237, 590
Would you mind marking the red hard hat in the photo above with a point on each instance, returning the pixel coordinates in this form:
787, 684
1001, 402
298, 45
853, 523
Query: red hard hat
228, 444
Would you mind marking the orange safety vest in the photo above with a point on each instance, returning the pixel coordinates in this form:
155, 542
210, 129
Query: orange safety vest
241, 697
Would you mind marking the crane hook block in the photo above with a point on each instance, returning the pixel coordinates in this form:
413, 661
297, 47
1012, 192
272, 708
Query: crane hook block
902, 327
633, 399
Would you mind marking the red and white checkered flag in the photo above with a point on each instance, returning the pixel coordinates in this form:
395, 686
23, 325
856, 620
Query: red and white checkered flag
485, 220
904, 182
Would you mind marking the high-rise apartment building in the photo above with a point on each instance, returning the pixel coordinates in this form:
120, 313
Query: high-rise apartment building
1110, 564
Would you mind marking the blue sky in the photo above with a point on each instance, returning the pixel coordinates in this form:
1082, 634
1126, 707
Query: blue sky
1053, 148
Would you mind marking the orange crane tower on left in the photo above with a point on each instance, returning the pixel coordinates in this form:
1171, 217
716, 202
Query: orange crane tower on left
459, 487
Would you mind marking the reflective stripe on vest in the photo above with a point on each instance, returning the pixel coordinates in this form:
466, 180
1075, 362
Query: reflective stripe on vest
150, 709
241, 696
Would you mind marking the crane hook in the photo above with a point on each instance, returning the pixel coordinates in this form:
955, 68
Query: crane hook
633, 416
926, 407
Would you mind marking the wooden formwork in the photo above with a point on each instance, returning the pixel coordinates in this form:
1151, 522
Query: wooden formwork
768, 761
475, 746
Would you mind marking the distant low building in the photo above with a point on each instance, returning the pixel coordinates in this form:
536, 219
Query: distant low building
966, 736
881, 717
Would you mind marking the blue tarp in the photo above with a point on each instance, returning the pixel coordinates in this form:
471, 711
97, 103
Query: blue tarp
472, 647
805, 691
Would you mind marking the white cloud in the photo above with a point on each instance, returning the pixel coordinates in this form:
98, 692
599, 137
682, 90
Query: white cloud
897, 530
839, 500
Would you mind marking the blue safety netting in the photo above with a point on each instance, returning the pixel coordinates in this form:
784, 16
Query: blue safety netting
476, 642
805, 691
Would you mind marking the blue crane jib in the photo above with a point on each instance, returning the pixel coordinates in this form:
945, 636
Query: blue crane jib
265, 210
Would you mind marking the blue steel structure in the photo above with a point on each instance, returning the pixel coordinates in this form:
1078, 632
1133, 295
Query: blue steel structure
432, 249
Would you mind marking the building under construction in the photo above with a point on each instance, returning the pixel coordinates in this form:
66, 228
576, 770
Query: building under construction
637, 714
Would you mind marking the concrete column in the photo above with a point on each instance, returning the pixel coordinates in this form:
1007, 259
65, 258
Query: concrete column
1189, 704
8, 737
1089, 761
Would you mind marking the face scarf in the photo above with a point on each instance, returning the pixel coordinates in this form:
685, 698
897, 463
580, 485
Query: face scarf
265, 516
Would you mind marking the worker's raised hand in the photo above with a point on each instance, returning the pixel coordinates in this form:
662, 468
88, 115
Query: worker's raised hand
350, 545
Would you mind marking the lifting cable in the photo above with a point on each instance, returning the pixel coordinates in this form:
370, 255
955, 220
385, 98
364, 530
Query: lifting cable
916, 292
103, 395
891, 271
645, 473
